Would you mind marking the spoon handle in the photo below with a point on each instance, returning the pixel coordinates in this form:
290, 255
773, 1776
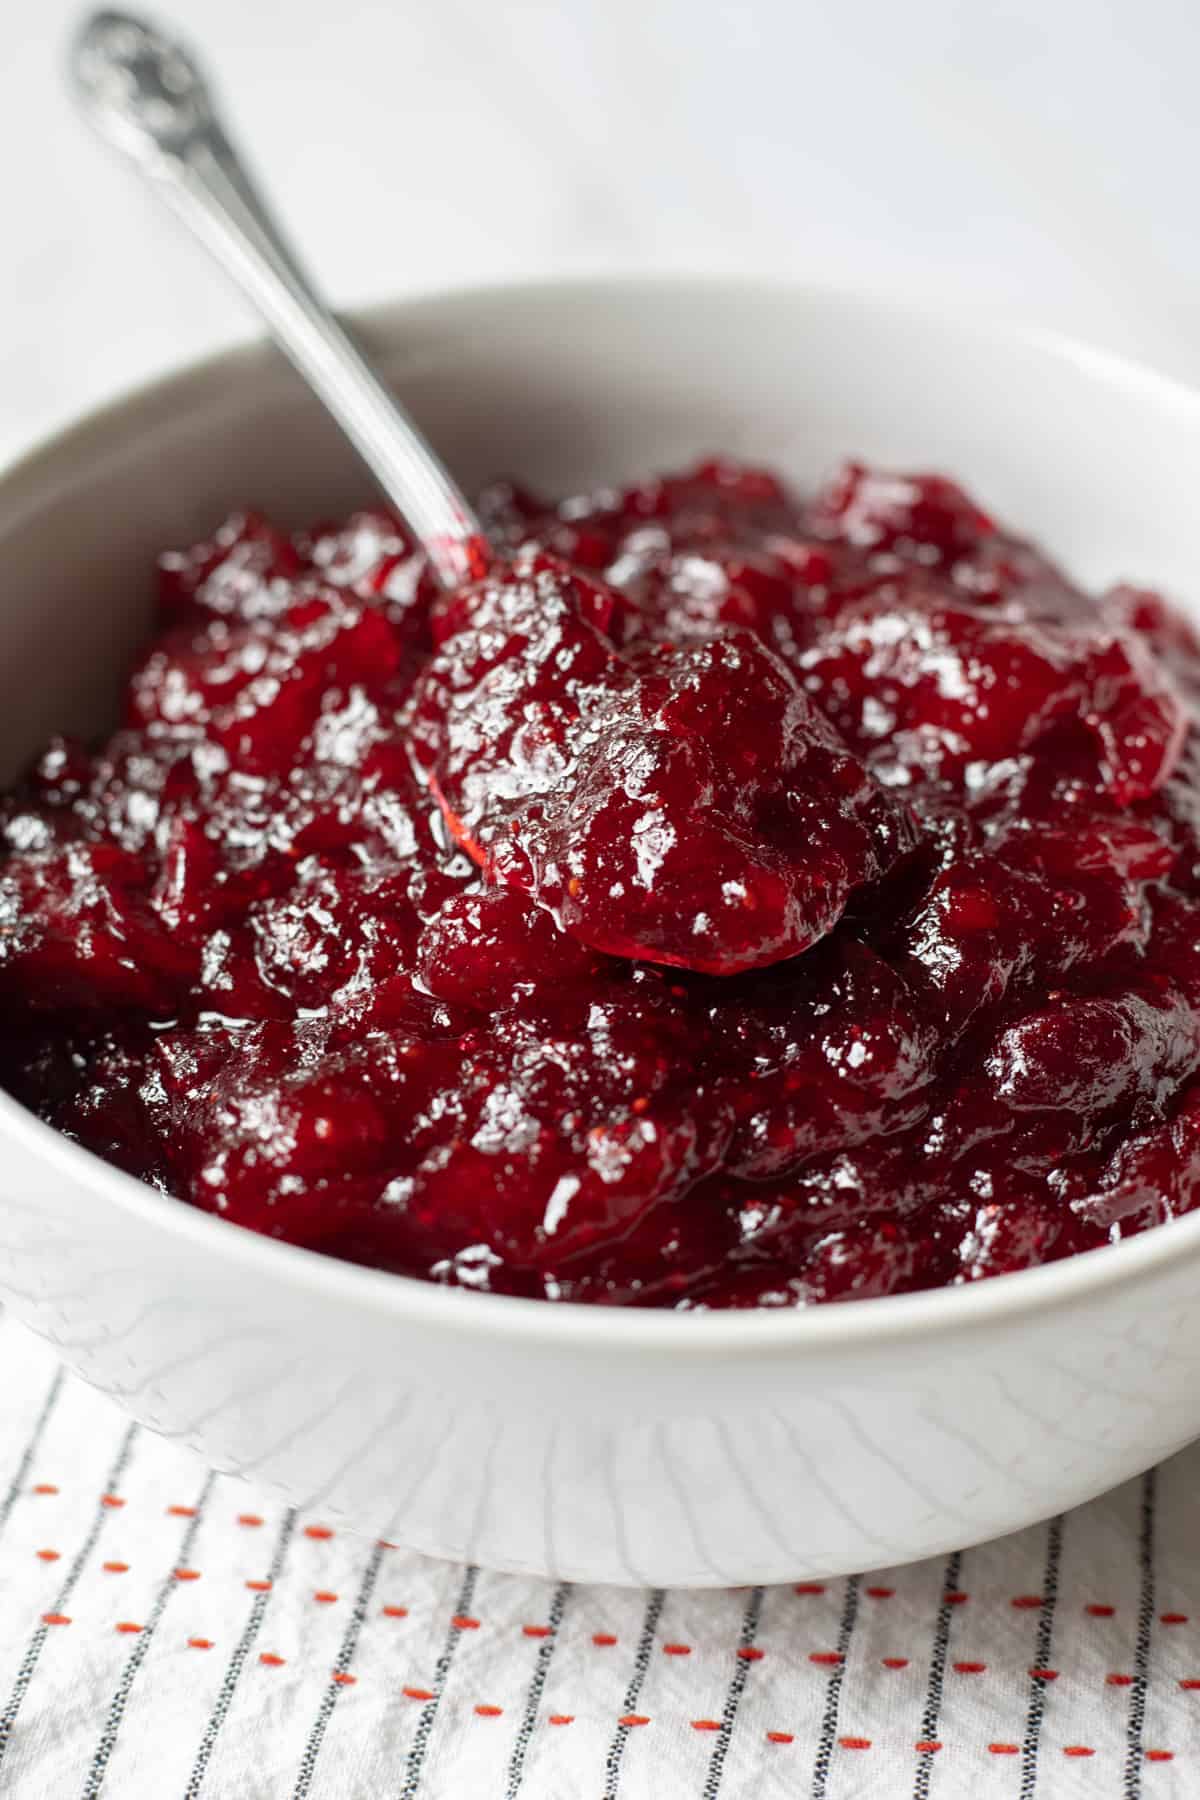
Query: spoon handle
146, 95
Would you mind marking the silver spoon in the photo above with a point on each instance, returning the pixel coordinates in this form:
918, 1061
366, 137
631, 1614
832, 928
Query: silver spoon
146, 95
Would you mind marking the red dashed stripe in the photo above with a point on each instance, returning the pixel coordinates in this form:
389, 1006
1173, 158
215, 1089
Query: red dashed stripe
115, 1568
748, 1653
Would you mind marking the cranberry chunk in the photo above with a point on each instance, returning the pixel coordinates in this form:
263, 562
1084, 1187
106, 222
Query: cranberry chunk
924, 516
1152, 1176
244, 571
929, 684
687, 806
568, 1121
486, 946
77, 932
838, 1054
254, 693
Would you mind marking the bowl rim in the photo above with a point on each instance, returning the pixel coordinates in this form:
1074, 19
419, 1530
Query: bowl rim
608, 1329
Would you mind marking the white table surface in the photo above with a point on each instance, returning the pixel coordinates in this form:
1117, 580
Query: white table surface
1035, 156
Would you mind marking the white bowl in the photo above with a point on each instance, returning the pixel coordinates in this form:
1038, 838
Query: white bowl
600, 1445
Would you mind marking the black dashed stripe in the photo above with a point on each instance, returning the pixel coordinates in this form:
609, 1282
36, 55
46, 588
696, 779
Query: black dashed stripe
737, 1687
425, 1724
32, 1445
237, 1661
1042, 1650
329, 1699
937, 1677
537, 1687
137, 1655
29, 1664
641, 1662
833, 1694
1135, 1753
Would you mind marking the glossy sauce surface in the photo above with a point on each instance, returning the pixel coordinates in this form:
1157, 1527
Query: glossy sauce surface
734, 900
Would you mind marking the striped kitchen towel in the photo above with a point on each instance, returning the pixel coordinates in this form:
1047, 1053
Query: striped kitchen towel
169, 1634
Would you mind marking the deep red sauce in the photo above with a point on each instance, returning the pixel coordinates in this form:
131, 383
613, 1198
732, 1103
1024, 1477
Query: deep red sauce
733, 901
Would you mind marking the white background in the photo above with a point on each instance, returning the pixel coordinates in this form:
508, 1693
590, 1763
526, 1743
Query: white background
1036, 155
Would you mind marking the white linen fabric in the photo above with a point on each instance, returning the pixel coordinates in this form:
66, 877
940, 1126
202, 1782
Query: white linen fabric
171, 1634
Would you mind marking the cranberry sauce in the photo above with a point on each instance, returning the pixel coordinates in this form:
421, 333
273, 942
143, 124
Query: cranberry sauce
730, 901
